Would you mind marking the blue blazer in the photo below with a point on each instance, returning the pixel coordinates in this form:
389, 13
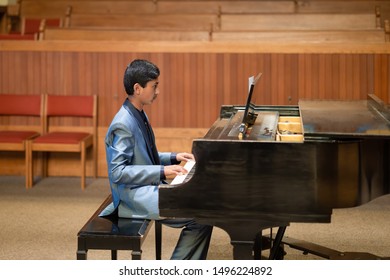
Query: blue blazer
134, 166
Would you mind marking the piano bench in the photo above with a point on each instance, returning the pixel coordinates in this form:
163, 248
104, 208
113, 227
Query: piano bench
113, 233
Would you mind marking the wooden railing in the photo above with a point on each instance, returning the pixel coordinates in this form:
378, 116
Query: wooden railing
320, 21
98, 34
292, 36
158, 6
42, 7
280, 36
262, 21
147, 21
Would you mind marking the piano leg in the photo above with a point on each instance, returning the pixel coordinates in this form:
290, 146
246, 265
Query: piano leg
277, 252
258, 246
242, 250
242, 236
248, 242
275, 245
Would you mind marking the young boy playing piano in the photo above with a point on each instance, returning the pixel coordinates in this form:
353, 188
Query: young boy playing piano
136, 168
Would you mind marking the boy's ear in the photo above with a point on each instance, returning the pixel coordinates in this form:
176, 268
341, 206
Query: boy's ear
137, 88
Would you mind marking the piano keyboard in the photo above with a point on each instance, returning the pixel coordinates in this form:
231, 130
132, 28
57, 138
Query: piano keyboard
179, 179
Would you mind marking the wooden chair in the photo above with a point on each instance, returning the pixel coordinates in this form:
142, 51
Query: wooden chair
30, 26
17, 37
29, 29
58, 139
13, 138
12, 17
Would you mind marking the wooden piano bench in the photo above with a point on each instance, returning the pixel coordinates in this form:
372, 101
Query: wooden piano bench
113, 233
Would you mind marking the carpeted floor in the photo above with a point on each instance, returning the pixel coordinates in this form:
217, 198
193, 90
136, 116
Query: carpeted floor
42, 224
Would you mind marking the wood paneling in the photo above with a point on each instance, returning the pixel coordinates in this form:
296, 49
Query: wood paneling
44, 7
317, 36
194, 83
193, 86
95, 34
298, 22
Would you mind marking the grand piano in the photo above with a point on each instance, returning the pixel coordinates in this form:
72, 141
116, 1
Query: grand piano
292, 164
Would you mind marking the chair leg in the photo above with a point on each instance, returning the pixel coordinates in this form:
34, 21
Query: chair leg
83, 152
29, 165
45, 164
94, 158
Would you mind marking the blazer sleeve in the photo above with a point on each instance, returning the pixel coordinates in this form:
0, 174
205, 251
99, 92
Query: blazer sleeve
166, 158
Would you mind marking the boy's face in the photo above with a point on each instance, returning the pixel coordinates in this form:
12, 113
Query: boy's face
147, 94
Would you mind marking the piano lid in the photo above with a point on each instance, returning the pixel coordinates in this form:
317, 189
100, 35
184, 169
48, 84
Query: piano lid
354, 119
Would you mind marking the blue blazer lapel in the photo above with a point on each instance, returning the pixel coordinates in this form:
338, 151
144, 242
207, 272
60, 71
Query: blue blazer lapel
152, 150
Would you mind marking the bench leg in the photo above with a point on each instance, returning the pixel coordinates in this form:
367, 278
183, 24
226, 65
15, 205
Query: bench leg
136, 255
158, 235
81, 249
114, 254
81, 255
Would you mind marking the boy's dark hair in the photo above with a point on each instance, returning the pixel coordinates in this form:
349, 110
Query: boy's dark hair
139, 71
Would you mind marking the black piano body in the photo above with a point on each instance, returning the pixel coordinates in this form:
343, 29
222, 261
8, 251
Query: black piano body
296, 164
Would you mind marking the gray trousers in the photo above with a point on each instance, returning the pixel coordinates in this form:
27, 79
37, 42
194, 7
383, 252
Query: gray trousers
194, 240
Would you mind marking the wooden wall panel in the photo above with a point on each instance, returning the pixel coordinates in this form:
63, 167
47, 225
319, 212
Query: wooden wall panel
193, 86
382, 77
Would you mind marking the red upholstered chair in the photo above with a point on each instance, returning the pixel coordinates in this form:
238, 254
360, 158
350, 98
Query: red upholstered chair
29, 30
52, 22
68, 139
30, 25
17, 37
14, 137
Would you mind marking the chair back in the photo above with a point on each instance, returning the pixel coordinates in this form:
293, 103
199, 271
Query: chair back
30, 25
21, 112
20, 105
71, 106
84, 107
53, 22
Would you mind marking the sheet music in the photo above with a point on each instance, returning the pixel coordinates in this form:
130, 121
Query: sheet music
179, 179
